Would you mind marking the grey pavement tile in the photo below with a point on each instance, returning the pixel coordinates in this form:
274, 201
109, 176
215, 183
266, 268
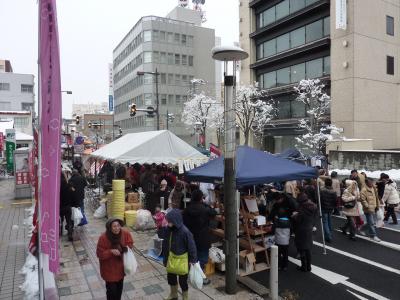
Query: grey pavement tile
90, 272
64, 291
152, 289
128, 286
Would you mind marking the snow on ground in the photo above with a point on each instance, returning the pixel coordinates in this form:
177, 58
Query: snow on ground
31, 283
393, 174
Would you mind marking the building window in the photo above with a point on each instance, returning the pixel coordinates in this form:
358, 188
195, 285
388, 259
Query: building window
296, 5
390, 65
327, 65
282, 9
163, 58
298, 109
389, 25
184, 60
283, 43
147, 57
283, 76
170, 58
314, 31
190, 60
26, 88
155, 35
270, 80
260, 51
21, 122
177, 59
183, 39
327, 26
170, 99
163, 77
177, 99
177, 39
27, 106
147, 35
314, 68
163, 99
284, 110
162, 36
177, 79
4, 86
156, 57
190, 40
170, 37
185, 81
170, 79
147, 78
298, 72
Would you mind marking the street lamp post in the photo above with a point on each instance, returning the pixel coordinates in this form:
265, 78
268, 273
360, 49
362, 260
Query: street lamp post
157, 111
230, 54
67, 92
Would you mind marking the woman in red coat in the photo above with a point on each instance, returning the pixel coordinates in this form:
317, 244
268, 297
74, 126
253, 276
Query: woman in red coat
110, 248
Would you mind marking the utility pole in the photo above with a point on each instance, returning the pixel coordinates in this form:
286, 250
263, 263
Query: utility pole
157, 104
230, 54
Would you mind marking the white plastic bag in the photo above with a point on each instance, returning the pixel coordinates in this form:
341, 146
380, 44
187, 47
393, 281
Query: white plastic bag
130, 263
216, 255
144, 220
77, 215
360, 209
379, 218
196, 276
100, 211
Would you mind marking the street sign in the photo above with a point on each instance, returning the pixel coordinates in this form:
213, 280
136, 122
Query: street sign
150, 111
10, 148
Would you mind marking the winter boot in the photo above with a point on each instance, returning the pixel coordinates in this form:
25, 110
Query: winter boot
185, 295
303, 266
173, 295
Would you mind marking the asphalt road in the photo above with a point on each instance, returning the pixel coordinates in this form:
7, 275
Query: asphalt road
350, 270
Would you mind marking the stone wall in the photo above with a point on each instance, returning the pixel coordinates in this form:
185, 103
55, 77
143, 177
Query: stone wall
367, 160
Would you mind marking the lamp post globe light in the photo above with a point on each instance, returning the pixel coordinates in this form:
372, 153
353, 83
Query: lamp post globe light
230, 55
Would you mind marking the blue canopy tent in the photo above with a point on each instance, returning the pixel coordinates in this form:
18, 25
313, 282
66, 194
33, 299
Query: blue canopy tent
253, 167
292, 154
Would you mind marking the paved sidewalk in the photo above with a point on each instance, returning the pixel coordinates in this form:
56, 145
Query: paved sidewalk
13, 240
79, 276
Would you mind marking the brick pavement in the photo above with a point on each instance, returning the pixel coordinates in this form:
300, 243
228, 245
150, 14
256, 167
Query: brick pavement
13, 241
79, 276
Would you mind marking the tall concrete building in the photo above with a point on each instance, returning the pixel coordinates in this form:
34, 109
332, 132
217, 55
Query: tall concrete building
354, 52
179, 49
16, 90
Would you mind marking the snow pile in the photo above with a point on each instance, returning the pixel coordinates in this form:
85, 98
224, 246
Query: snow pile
31, 284
28, 222
393, 173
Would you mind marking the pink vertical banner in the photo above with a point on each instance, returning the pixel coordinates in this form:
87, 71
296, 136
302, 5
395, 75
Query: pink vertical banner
50, 123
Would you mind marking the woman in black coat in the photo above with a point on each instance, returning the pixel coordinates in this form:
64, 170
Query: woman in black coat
304, 219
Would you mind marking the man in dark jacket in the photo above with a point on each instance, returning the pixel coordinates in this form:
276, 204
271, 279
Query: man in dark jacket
328, 204
178, 240
107, 171
196, 217
65, 207
303, 228
78, 184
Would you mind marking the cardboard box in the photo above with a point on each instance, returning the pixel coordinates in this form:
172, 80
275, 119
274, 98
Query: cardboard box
133, 198
209, 268
247, 261
260, 220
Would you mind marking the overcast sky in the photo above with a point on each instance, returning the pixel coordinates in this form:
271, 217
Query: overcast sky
89, 31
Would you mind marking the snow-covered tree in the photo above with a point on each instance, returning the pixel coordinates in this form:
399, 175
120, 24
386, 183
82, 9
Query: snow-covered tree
202, 111
316, 129
253, 110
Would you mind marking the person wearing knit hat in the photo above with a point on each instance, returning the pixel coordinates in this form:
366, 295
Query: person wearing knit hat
110, 248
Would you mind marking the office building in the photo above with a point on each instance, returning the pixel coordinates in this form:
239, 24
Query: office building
354, 54
16, 90
179, 49
89, 108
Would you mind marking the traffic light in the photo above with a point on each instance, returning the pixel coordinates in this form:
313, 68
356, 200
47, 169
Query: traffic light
132, 110
77, 119
120, 130
89, 124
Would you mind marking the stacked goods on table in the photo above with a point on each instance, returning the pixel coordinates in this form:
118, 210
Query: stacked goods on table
133, 202
116, 208
130, 217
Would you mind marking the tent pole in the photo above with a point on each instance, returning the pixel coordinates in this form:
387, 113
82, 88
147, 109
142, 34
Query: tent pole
320, 217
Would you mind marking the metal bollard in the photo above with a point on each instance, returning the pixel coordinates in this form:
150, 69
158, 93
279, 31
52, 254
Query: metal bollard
273, 273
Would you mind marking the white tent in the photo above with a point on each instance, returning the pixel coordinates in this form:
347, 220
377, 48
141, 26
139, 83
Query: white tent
151, 147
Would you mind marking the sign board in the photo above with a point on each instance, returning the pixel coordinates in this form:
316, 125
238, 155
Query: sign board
10, 148
110, 103
22, 175
341, 14
22, 178
79, 140
78, 149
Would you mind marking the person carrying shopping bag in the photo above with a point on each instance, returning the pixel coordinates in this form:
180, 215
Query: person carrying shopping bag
111, 246
179, 250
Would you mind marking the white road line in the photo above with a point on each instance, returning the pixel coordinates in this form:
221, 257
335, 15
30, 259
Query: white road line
361, 259
335, 278
382, 243
357, 295
386, 228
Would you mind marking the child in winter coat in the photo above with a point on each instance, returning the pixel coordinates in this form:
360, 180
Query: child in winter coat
178, 241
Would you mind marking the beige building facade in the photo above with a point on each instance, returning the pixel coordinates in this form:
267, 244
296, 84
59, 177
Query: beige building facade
363, 79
